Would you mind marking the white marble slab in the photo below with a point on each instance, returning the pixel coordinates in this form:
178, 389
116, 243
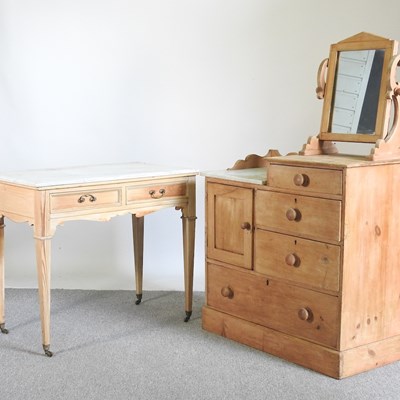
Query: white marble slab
257, 176
42, 178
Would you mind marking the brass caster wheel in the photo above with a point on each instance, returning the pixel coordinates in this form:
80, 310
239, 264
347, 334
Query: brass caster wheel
188, 315
47, 351
139, 299
3, 329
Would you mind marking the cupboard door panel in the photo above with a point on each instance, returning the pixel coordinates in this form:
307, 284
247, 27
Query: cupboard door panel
230, 224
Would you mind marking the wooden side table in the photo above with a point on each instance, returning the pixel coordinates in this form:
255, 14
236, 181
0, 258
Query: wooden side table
47, 198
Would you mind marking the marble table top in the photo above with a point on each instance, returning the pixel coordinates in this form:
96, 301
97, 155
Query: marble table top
249, 175
41, 178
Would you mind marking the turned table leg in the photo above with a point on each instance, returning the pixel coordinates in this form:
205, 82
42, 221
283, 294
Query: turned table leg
2, 286
138, 234
43, 259
188, 230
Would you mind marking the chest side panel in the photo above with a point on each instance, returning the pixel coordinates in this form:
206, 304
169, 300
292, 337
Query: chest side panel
371, 273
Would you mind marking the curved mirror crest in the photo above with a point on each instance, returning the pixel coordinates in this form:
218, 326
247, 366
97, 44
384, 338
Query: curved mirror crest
356, 91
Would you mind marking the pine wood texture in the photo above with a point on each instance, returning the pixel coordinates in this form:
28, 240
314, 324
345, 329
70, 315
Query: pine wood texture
274, 304
323, 288
255, 160
325, 360
2, 314
164, 190
308, 262
371, 254
299, 215
138, 245
230, 224
309, 179
85, 198
47, 207
188, 231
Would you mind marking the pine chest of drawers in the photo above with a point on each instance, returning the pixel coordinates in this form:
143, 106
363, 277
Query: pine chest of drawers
305, 263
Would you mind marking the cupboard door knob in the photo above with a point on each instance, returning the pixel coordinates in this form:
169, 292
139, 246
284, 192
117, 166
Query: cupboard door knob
305, 314
301, 180
246, 226
292, 260
226, 291
293, 215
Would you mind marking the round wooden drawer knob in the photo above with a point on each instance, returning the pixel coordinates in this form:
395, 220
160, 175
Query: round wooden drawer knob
305, 314
292, 214
227, 292
292, 260
301, 180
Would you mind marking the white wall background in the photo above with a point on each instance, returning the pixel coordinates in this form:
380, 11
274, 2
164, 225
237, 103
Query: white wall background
193, 83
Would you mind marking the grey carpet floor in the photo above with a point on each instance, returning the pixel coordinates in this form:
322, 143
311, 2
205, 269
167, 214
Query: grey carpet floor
106, 347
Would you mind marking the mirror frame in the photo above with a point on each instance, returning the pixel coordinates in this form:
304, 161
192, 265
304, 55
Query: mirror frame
361, 41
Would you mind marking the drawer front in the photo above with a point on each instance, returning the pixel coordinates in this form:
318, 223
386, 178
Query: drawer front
298, 260
316, 218
289, 309
305, 179
84, 199
156, 192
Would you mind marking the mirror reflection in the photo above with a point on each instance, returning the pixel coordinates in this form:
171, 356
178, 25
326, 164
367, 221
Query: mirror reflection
356, 91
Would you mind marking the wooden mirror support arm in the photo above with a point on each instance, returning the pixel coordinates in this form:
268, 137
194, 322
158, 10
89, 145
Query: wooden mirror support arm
314, 145
389, 148
321, 78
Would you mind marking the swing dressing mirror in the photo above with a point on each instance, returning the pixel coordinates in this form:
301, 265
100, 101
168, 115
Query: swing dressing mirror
361, 96
356, 107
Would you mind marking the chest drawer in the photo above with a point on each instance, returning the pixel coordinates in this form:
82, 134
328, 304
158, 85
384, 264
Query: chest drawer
86, 198
316, 218
298, 260
304, 179
289, 309
156, 192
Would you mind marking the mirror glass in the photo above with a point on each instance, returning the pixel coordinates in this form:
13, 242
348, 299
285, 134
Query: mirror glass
356, 91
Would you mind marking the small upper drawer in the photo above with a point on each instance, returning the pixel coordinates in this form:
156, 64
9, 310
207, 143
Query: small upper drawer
158, 191
304, 179
302, 261
312, 217
84, 199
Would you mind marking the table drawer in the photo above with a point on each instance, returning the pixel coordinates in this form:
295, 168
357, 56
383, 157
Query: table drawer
305, 179
299, 215
84, 199
286, 308
298, 260
156, 192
